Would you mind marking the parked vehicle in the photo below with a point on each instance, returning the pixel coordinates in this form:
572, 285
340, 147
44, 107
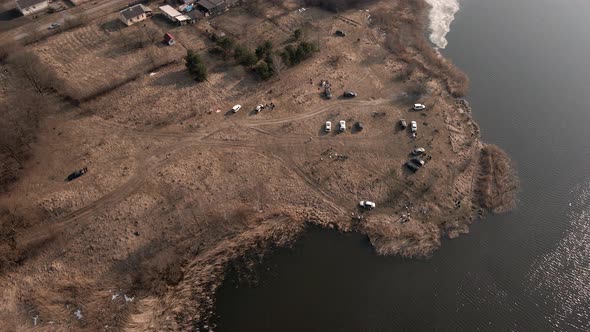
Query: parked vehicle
418, 151
340, 33
367, 205
259, 108
328, 126
419, 107
349, 94
417, 161
328, 92
53, 26
77, 174
413, 126
236, 108
342, 125
186, 8
411, 166
403, 124
359, 126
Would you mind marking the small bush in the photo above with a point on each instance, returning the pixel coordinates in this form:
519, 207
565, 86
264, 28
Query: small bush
263, 70
264, 50
226, 46
226, 43
239, 51
244, 56
248, 59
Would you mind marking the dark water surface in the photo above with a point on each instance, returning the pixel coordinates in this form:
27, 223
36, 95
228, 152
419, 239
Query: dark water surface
529, 270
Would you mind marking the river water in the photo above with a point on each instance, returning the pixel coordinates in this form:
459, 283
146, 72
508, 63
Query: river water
528, 270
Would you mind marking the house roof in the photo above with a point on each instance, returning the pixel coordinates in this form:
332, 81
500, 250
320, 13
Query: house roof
168, 10
210, 4
194, 14
135, 11
28, 3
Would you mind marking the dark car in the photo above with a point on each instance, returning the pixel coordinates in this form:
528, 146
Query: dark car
340, 33
417, 161
77, 174
328, 92
349, 94
359, 126
411, 166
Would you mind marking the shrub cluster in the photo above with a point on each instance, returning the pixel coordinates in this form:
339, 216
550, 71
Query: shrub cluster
293, 55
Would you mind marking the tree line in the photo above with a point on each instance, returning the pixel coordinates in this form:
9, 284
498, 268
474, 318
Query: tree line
29, 83
264, 61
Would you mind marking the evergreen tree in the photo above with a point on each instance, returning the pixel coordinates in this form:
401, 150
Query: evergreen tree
195, 66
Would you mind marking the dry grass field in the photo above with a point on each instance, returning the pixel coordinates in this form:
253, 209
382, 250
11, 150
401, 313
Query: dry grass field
94, 58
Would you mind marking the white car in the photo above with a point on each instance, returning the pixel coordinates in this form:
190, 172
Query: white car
418, 151
419, 107
328, 127
413, 126
258, 108
342, 125
236, 108
367, 205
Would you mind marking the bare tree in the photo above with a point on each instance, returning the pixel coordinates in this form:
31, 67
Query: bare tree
74, 21
19, 119
7, 48
277, 64
37, 73
153, 35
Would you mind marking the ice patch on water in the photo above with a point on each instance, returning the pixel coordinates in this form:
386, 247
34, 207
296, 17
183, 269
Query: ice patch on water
441, 16
563, 275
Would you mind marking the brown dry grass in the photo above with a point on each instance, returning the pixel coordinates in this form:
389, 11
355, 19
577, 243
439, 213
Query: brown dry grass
497, 183
410, 239
405, 37
94, 59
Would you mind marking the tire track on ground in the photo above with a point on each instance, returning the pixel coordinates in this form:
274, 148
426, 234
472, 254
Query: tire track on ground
114, 197
292, 165
315, 112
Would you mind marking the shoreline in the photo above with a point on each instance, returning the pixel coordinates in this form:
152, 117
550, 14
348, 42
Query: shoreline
416, 241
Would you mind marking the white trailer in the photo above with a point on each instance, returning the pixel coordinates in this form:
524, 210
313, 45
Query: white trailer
170, 12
